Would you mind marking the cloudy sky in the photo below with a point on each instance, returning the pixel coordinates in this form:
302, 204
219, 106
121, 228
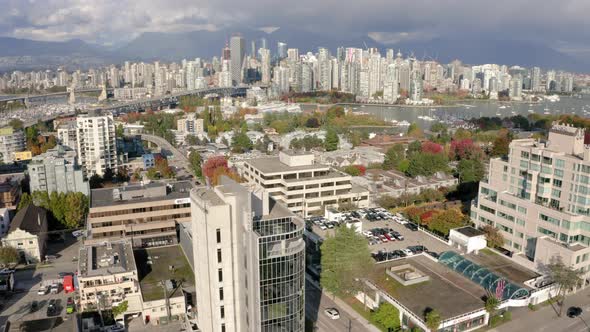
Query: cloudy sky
561, 24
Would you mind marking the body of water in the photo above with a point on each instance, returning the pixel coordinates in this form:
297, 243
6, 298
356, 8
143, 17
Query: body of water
465, 110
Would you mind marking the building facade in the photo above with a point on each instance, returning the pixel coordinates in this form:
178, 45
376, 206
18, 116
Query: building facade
28, 234
144, 214
249, 257
107, 276
11, 141
301, 184
57, 170
539, 198
96, 143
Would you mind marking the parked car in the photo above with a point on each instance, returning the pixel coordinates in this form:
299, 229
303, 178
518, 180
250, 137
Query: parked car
398, 236
52, 309
34, 306
418, 249
70, 305
117, 328
54, 289
332, 313
573, 312
43, 290
433, 254
408, 252
411, 226
77, 233
63, 274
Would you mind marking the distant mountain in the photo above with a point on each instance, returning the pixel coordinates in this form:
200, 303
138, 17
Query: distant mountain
151, 46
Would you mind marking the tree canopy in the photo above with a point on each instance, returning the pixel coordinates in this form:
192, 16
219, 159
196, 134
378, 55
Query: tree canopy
8, 255
332, 140
345, 260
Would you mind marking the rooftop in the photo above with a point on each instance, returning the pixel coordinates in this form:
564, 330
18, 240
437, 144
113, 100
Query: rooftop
30, 219
450, 293
137, 193
469, 231
274, 165
502, 266
106, 258
163, 268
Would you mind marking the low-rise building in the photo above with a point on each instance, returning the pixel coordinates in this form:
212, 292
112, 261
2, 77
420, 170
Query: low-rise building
28, 233
467, 239
146, 214
190, 124
302, 185
394, 183
57, 170
10, 192
22, 155
107, 276
360, 155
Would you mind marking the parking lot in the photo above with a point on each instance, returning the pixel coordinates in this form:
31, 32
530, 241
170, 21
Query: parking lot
381, 234
27, 282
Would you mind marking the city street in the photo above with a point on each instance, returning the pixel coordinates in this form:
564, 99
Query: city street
315, 304
545, 319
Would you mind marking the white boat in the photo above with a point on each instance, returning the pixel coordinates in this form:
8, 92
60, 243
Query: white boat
403, 123
531, 111
421, 117
498, 114
427, 118
546, 113
502, 107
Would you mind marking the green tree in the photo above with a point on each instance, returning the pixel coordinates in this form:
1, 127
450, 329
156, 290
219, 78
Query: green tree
119, 131
16, 124
492, 304
57, 206
387, 316
332, 140
393, 157
427, 164
195, 160
120, 309
25, 199
8, 255
345, 260
470, 170
76, 209
565, 277
95, 181
443, 222
352, 170
414, 131
493, 236
432, 319
414, 147
241, 142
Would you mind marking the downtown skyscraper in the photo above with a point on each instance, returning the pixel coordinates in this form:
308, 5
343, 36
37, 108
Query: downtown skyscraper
237, 53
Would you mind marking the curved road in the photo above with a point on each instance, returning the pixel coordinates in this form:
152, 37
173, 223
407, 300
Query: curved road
178, 158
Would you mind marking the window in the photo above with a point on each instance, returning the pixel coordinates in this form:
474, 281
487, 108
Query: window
520, 222
218, 255
218, 235
522, 210
558, 172
220, 275
221, 294
222, 327
548, 219
559, 163
524, 154
222, 312
557, 183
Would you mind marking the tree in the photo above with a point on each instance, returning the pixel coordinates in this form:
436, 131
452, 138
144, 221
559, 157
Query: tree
493, 236
8, 255
195, 160
355, 170
16, 124
414, 147
312, 123
345, 260
393, 156
432, 319
446, 220
492, 304
500, 146
120, 309
470, 170
387, 316
332, 140
241, 142
119, 131
95, 181
414, 131
565, 277
25, 199
427, 164
76, 209
213, 163
464, 149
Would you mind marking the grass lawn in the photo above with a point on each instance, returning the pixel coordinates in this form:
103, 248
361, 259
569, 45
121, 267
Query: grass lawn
359, 307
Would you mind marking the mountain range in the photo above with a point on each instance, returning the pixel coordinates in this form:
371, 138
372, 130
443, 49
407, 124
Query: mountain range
149, 46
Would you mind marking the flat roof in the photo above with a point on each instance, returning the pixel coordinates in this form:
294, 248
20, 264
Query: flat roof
209, 195
138, 193
106, 258
448, 292
469, 231
167, 263
274, 165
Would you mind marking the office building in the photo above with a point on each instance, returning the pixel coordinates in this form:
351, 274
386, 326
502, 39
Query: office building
237, 53
282, 50
57, 170
539, 199
302, 185
249, 257
96, 143
107, 276
146, 214
67, 134
190, 124
11, 141
265, 64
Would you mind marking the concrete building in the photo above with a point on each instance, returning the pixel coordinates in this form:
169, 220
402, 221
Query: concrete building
107, 276
96, 143
539, 199
146, 214
302, 185
28, 233
190, 125
11, 141
236, 44
10, 192
249, 257
57, 170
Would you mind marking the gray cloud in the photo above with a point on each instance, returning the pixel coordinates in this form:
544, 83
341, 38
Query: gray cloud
115, 21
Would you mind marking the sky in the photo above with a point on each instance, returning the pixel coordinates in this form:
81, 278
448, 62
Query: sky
563, 24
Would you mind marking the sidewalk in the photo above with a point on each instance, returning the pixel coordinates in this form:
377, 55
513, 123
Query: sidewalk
350, 311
